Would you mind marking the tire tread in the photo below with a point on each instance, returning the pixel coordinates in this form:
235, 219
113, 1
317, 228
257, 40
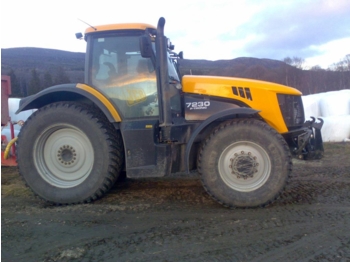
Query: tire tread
253, 123
115, 148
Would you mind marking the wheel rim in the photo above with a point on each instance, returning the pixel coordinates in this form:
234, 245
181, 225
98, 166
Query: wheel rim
63, 156
244, 166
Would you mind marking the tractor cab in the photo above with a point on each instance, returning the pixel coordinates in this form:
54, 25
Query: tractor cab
121, 63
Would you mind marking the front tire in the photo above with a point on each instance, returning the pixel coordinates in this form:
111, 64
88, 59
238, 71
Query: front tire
69, 153
244, 163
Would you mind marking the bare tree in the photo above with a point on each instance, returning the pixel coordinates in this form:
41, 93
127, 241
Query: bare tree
347, 62
297, 62
316, 68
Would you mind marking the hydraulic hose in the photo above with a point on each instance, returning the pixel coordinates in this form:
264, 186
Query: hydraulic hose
8, 147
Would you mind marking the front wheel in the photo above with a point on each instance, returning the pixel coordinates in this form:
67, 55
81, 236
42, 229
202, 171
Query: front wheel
244, 163
69, 153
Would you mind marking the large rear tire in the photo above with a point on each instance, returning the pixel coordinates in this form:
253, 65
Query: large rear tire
244, 163
69, 153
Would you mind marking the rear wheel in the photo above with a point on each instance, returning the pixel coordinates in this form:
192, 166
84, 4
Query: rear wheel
244, 163
69, 153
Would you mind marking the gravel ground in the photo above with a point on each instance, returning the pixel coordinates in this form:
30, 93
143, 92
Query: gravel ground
173, 219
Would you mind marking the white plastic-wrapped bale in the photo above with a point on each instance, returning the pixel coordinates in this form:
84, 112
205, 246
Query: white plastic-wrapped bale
334, 108
336, 128
336, 103
311, 105
13, 106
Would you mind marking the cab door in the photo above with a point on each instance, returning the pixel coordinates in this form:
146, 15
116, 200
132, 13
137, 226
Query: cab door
129, 80
124, 76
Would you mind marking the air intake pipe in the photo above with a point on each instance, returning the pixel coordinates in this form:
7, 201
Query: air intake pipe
163, 75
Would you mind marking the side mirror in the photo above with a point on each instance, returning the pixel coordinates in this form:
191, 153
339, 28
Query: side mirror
145, 46
181, 55
79, 35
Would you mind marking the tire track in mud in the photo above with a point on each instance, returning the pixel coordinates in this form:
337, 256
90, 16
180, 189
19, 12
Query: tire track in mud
225, 236
296, 226
173, 219
315, 192
188, 228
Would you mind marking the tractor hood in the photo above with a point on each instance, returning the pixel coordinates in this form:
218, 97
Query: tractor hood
259, 95
226, 86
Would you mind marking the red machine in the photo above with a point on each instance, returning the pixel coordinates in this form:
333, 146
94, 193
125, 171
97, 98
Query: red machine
8, 149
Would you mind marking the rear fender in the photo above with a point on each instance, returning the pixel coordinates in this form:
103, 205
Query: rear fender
71, 92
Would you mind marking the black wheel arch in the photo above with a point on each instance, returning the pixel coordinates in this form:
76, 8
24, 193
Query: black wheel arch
220, 116
71, 92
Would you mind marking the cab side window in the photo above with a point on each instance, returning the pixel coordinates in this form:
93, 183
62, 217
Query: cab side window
128, 79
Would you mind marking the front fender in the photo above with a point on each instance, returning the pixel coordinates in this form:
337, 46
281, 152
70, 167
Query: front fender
70, 92
228, 113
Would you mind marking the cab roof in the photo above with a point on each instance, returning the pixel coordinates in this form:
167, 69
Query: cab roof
113, 27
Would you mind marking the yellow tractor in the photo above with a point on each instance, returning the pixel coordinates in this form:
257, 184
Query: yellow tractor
134, 114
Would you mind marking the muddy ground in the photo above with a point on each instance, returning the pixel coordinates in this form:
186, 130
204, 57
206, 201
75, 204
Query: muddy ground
173, 219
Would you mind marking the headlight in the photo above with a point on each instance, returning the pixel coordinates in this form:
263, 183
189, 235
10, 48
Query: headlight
292, 110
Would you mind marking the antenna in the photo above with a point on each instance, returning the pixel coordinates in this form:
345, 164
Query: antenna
87, 24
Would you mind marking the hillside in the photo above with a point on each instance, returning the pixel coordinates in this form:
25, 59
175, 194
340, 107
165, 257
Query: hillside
241, 61
247, 67
22, 61
40, 58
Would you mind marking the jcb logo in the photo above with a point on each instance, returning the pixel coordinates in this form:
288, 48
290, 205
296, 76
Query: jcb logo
134, 96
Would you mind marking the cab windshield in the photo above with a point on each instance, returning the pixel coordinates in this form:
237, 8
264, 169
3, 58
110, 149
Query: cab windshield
173, 75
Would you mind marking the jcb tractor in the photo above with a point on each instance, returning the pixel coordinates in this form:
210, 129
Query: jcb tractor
134, 114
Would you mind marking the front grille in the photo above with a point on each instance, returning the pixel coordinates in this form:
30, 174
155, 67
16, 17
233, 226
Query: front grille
292, 110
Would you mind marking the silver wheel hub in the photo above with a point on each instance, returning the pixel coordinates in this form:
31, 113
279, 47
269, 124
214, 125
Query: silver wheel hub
64, 156
244, 166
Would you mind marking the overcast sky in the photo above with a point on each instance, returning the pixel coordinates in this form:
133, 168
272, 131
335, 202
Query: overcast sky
316, 30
